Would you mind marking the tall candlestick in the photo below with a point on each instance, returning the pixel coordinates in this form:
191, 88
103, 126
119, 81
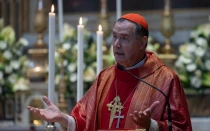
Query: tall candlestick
80, 54
103, 7
167, 5
99, 49
119, 8
51, 53
60, 19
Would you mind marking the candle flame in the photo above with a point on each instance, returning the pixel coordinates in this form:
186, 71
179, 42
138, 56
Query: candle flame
100, 28
80, 20
52, 8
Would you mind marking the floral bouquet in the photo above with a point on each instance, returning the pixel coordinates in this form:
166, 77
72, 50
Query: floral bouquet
13, 63
193, 64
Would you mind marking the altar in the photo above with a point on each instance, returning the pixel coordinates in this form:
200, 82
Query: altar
198, 124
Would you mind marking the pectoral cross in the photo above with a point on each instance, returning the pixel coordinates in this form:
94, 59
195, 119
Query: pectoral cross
114, 106
118, 119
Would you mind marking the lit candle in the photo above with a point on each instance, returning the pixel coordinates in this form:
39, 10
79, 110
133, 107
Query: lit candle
99, 49
60, 19
119, 10
51, 55
80, 54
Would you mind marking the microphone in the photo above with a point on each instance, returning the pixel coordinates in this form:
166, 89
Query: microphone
168, 104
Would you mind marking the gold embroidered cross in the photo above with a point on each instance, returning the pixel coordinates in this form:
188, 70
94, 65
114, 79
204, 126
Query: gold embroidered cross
114, 106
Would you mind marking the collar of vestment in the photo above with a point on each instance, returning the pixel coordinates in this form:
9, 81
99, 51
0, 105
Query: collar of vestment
147, 66
138, 64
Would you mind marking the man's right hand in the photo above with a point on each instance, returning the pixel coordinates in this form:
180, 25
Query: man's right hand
51, 114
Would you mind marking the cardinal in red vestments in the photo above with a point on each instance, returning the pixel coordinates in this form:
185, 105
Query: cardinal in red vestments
133, 94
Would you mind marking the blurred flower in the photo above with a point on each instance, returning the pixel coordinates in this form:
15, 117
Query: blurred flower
23, 42
191, 67
195, 81
109, 57
89, 74
8, 34
13, 63
72, 67
7, 54
193, 62
21, 85
151, 46
3, 45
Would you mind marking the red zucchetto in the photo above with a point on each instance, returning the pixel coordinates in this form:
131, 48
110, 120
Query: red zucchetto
137, 19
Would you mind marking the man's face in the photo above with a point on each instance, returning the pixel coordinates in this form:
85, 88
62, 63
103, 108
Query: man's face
128, 48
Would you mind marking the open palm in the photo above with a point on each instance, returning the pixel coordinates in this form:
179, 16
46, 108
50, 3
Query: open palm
51, 114
142, 118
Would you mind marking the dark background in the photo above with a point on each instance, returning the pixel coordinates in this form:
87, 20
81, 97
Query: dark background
127, 5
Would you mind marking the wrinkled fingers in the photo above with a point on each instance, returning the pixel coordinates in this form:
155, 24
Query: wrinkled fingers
137, 117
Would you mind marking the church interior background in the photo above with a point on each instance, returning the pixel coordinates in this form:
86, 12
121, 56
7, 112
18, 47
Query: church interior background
179, 35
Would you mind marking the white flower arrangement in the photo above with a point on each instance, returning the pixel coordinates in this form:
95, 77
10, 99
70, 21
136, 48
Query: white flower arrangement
193, 63
13, 63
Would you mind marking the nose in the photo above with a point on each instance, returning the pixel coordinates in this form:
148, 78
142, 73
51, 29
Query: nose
116, 43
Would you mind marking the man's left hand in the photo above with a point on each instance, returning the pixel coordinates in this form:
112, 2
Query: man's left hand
143, 118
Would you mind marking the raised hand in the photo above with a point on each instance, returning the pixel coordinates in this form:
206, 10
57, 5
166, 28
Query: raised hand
143, 118
51, 114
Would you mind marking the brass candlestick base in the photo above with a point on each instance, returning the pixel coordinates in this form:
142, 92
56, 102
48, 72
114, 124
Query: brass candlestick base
167, 27
168, 59
50, 126
38, 54
167, 49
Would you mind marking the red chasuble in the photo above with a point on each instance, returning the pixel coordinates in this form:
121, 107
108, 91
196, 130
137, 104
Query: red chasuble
91, 112
124, 86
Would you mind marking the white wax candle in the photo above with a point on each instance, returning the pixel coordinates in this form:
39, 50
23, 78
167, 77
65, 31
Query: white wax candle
119, 9
80, 29
99, 49
60, 19
40, 5
51, 55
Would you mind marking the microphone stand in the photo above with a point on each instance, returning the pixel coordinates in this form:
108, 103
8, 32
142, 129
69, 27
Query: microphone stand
168, 104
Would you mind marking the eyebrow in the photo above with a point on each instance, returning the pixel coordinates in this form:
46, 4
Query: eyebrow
122, 34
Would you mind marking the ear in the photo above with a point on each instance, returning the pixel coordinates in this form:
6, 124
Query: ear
144, 41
